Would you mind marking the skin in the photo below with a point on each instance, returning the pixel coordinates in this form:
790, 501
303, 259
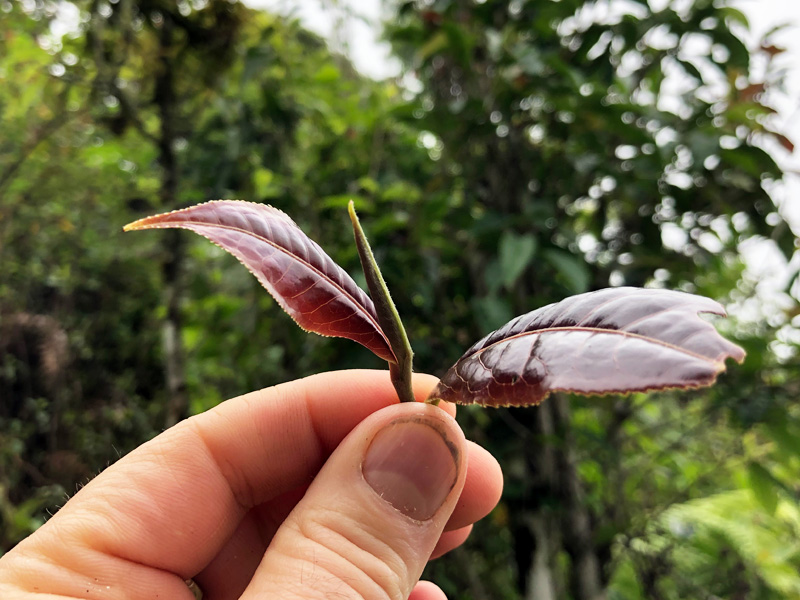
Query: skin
266, 495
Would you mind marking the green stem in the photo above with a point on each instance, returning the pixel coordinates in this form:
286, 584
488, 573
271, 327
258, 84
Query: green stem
388, 318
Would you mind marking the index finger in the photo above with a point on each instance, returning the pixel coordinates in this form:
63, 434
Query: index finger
173, 502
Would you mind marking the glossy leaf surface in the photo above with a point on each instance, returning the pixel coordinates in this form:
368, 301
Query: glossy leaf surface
318, 294
611, 341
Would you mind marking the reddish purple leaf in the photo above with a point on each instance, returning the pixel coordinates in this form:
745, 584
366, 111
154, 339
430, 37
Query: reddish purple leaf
318, 294
612, 341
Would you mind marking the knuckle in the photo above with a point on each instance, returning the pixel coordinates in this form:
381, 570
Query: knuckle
349, 554
244, 493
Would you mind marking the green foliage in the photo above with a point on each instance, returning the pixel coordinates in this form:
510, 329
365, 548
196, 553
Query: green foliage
762, 548
515, 253
546, 153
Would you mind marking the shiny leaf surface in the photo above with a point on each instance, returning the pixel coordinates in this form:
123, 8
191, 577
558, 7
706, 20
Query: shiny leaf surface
612, 341
318, 294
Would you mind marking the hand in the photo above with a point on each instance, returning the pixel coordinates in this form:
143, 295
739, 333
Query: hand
319, 488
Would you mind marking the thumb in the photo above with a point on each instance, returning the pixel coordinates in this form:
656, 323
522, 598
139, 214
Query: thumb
370, 520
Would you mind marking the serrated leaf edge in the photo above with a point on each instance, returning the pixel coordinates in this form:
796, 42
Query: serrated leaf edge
717, 364
619, 392
141, 224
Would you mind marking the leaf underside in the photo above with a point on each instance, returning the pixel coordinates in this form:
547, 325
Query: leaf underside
318, 294
616, 340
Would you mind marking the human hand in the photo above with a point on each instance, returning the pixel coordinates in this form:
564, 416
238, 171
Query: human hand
323, 487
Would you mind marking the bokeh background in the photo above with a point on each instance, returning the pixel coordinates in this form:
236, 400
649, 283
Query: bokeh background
521, 151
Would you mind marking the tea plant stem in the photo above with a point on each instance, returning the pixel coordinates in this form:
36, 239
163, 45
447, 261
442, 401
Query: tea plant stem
388, 318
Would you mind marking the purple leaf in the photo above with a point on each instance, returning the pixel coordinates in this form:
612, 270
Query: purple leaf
612, 341
318, 294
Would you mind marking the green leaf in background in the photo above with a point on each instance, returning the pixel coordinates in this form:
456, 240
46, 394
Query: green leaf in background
765, 544
264, 183
735, 15
787, 441
491, 312
327, 74
435, 44
702, 143
493, 276
571, 269
516, 252
762, 483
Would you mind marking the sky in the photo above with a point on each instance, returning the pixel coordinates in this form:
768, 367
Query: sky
362, 29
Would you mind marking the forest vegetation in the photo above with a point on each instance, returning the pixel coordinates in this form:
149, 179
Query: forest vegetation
546, 149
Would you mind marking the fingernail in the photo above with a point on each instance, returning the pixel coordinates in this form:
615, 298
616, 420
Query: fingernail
412, 466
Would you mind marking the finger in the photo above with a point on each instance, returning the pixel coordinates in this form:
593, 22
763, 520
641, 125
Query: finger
174, 502
228, 574
373, 515
230, 571
482, 489
451, 540
425, 590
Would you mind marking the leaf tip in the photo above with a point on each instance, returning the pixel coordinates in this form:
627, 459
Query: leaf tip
734, 351
351, 210
740, 355
145, 222
131, 226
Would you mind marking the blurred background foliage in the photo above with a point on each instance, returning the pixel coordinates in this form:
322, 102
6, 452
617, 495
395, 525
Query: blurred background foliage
533, 149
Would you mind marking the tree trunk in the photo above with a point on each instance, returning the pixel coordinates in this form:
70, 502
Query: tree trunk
178, 401
585, 581
165, 99
541, 580
539, 538
553, 515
